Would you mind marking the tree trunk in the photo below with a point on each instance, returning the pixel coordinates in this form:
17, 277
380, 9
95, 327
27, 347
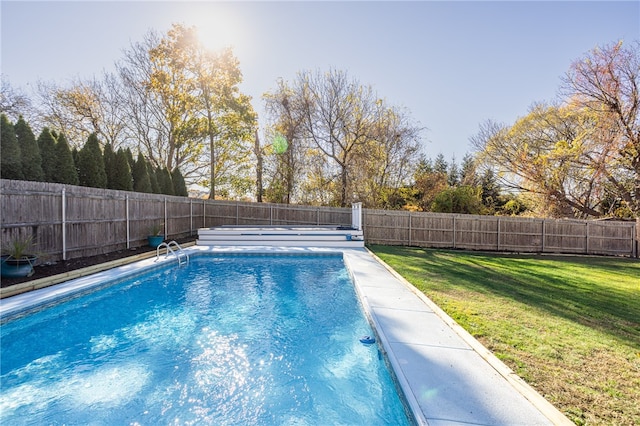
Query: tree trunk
258, 152
212, 182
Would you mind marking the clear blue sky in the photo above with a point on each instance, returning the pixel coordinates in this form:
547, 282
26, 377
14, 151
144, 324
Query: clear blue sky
451, 64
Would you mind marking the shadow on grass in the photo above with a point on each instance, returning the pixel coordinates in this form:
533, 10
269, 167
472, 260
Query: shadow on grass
585, 290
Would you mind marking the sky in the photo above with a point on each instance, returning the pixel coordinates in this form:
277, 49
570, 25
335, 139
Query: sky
451, 65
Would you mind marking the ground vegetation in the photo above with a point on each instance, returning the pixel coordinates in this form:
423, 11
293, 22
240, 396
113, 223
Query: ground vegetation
568, 325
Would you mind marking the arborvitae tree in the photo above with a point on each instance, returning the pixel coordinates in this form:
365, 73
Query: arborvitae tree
179, 185
164, 181
91, 164
109, 158
122, 178
29, 151
141, 182
153, 177
11, 165
47, 144
64, 167
130, 158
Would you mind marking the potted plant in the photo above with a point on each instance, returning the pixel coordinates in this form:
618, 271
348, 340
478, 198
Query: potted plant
17, 260
156, 237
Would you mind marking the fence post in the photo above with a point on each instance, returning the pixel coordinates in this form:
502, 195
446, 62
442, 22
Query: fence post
544, 227
586, 236
409, 229
127, 223
635, 237
454, 232
498, 239
64, 224
204, 215
190, 217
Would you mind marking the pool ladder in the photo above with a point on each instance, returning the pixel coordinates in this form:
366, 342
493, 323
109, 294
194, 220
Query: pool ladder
183, 258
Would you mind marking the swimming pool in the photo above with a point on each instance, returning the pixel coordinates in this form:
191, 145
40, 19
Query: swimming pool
247, 339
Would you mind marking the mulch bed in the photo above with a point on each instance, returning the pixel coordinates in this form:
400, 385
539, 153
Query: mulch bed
62, 266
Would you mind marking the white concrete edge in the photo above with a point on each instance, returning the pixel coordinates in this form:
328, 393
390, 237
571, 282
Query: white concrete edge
526, 390
26, 301
403, 383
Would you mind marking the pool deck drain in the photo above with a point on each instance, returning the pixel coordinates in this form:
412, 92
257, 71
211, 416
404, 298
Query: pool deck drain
447, 376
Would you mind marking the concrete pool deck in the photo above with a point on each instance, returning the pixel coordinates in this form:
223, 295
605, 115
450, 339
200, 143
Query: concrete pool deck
447, 376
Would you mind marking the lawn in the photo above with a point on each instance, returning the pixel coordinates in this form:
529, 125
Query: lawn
568, 325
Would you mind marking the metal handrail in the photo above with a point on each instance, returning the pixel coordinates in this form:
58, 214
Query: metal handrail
180, 252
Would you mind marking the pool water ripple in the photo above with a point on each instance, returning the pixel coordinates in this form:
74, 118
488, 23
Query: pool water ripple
239, 340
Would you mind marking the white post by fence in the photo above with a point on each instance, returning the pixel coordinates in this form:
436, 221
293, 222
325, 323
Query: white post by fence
166, 226
356, 216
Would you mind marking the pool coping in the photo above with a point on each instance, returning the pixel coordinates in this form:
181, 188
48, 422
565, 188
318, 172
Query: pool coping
414, 333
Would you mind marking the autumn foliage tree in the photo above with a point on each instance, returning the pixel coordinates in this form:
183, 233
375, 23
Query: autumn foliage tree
186, 110
581, 157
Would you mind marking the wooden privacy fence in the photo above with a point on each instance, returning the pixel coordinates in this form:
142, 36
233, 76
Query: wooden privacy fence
72, 221
495, 233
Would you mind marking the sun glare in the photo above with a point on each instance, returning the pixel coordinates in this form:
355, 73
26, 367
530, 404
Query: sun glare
217, 32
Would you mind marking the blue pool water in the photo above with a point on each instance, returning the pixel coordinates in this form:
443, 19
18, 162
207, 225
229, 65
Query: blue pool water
251, 340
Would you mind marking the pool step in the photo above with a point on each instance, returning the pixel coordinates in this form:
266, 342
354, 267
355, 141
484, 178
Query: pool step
280, 236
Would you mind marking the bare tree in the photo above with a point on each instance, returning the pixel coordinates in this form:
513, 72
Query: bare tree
84, 108
287, 168
354, 145
388, 160
13, 102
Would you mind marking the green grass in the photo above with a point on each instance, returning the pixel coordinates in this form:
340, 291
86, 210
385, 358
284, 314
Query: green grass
568, 325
